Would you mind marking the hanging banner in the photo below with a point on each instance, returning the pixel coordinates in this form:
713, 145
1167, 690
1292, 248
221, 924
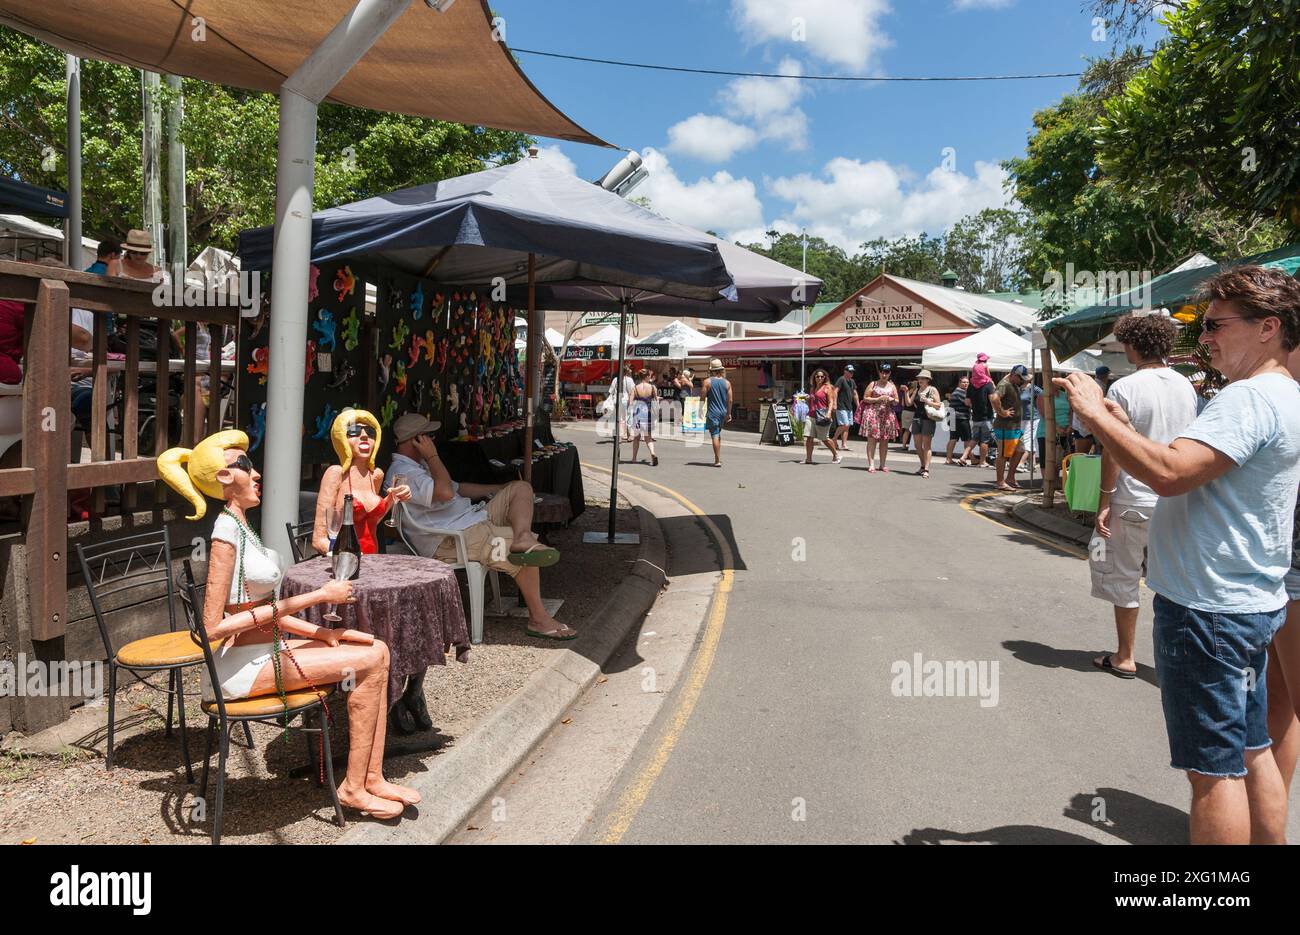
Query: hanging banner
648, 351
589, 352
693, 415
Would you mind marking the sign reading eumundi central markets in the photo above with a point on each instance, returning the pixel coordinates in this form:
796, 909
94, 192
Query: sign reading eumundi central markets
883, 316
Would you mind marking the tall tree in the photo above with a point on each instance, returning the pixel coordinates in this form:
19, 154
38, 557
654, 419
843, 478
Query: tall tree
1215, 115
230, 138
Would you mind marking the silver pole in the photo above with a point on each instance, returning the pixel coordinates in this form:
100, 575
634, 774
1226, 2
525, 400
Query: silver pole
150, 82
72, 229
178, 242
618, 416
803, 332
342, 48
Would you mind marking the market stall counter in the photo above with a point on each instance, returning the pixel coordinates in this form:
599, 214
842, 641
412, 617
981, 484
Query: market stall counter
497, 458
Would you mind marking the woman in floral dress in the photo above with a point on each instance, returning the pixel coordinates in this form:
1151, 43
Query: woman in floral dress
877, 418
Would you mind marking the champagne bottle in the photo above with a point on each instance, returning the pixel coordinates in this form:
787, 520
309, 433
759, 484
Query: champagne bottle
348, 542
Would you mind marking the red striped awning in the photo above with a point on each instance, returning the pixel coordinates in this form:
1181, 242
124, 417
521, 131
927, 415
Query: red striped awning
892, 343
837, 345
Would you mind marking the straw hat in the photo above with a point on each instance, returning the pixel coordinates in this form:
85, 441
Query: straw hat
138, 241
924, 375
715, 366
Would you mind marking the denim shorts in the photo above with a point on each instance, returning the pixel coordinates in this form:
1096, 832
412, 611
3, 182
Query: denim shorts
1211, 670
843, 417
713, 425
1293, 584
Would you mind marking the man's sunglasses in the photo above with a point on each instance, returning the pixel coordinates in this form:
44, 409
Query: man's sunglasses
243, 463
358, 428
1211, 325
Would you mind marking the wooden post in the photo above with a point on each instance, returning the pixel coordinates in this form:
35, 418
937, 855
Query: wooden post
131, 406
530, 365
99, 412
215, 333
191, 430
47, 431
162, 403
1051, 471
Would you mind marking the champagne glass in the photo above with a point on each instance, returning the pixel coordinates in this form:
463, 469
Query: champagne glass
333, 523
345, 563
399, 480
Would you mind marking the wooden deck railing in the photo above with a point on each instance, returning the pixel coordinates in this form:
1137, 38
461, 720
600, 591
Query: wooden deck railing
47, 472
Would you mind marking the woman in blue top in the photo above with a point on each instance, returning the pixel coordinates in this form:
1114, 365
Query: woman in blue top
717, 394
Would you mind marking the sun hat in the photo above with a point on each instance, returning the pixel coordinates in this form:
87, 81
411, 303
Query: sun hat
138, 241
715, 366
980, 358
925, 375
411, 425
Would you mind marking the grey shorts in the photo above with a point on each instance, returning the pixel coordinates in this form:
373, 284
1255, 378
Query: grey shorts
1293, 584
814, 431
922, 425
981, 433
1118, 563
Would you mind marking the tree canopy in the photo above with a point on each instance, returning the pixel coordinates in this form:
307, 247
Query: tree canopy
230, 139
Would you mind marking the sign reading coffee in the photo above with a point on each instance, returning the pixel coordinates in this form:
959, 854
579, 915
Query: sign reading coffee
873, 318
646, 351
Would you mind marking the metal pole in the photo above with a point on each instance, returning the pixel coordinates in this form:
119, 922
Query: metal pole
530, 365
178, 241
342, 48
150, 82
803, 332
618, 415
72, 229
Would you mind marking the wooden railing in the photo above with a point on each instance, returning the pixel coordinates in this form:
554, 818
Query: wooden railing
47, 472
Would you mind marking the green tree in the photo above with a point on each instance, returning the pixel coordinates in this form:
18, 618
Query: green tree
1216, 113
230, 138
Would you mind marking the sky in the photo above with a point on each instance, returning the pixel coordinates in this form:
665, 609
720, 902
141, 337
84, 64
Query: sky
848, 161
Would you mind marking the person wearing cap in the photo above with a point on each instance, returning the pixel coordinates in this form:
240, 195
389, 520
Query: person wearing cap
717, 395
919, 398
877, 417
498, 533
1006, 426
846, 403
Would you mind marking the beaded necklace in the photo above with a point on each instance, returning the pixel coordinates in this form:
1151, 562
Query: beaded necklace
278, 644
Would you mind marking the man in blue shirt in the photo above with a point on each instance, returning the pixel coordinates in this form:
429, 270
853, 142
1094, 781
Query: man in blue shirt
1220, 547
108, 258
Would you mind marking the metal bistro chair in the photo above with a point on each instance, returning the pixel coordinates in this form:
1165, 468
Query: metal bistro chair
475, 572
300, 540
223, 715
125, 565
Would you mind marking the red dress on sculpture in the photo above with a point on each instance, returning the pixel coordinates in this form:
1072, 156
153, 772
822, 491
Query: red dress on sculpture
366, 524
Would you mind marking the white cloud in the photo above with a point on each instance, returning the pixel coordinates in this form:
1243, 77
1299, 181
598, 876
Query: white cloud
846, 33
719, 202
769, 104
555, 156
851, 201
709, 137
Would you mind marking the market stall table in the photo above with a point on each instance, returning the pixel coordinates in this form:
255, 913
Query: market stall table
411, 603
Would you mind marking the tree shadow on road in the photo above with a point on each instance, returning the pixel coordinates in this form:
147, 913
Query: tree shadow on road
1132, 818
1080, 660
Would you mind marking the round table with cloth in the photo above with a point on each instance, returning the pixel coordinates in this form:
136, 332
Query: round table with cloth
411, 603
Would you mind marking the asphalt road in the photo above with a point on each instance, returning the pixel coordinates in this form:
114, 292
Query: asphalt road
805, 729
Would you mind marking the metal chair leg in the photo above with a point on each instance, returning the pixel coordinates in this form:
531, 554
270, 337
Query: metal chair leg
248, 735
112, 709
180, 710
171, 700
207, 756
329, 768
311, 749
221, 783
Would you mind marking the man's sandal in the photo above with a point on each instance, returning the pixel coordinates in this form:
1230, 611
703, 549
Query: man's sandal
536, 555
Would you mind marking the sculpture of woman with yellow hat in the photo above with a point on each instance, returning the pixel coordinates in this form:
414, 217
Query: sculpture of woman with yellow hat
258, 630
355, 436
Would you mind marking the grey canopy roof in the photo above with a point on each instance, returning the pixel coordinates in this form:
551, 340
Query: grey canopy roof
593, 248
472, 228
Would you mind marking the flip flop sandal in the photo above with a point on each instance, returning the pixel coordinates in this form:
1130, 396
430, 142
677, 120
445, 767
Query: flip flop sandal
1106, 666
537, 555
553, 635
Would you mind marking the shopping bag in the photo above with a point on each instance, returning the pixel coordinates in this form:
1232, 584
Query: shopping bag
1083, 483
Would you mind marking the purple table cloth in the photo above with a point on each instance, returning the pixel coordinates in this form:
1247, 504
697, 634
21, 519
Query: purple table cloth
411, 603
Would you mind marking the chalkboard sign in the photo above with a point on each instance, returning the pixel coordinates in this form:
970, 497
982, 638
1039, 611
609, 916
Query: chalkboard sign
782, 427
548, 385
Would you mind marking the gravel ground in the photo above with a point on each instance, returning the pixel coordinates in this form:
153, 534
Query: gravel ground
70, 798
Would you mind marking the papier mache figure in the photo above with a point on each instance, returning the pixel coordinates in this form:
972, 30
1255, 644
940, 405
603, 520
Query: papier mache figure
355, 436
266, 650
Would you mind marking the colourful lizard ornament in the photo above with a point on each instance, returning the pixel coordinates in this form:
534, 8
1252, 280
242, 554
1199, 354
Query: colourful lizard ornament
400, 334
386, 414
417, 302
352, 330
429, 348
310, 364
261, 358
313, 289
324, 422
399, 381
325, 326
257, 414
345, 284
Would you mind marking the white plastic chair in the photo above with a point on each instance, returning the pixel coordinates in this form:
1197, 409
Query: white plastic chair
474, 575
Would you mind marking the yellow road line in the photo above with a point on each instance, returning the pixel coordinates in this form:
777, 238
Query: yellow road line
635, 795
967, 504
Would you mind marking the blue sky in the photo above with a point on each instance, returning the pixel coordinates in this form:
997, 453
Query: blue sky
850, 161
